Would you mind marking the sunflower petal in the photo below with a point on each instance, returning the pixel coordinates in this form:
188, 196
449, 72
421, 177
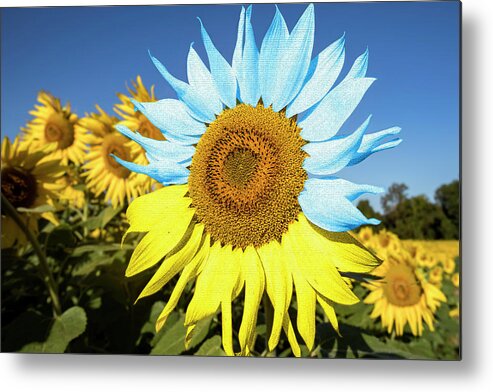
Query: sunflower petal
254, 288
329, 157
279, 285
334, 109
295, 60
323, 72
340, 215
359, 68
198, 107
272, 48
248, 71
201, 80
174, 263
189, 272
159, 241
371, 144
221, 71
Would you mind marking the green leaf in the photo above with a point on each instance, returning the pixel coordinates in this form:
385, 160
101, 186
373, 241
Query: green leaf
171, 339
108, 214
90, 266
101, 248
37, 210
200, 332
71, 324
211, 348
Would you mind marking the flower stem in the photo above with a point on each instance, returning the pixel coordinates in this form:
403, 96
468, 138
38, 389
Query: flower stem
43, 262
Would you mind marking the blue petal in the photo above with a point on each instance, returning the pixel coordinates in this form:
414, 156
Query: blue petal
323, 72
295, 61
164, 171
271, 52
198, 107
238, 52
359, 68
248, 70
329, 157
201, 80
372, 143
328, 116
328, 204
221, 71
159, 149
172, 118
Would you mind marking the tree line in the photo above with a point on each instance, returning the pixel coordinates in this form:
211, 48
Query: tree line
417, 217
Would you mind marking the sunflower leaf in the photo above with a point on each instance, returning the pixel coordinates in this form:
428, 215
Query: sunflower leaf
67, 327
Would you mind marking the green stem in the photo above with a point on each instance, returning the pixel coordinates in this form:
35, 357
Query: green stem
43, 262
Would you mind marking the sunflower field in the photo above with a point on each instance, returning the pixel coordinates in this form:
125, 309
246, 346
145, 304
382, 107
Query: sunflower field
65, 253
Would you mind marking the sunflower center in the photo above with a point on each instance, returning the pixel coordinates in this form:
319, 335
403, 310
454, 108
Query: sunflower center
59, 129
19, 187
246, 175
114, 144
402, 288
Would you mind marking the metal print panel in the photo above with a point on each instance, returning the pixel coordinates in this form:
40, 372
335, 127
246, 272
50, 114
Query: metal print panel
227, 180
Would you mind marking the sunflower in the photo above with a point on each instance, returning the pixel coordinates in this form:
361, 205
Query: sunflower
403, 296
455, 279
250, 202
103, 174
30, 179
58, 125
449, 265
138, 122
436, 275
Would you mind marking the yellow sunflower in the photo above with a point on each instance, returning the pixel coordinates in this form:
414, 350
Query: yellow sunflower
137, 122
456, 279
57, 124
403, 296
103, 174
251, 202
436, 275
449, 265
30, 178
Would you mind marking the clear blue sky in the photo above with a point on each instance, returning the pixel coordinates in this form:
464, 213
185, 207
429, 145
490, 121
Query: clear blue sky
87, 54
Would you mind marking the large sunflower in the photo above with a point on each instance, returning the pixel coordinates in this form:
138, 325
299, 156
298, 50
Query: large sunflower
403, 295
58, 125
250, 202
104, 174
30, 179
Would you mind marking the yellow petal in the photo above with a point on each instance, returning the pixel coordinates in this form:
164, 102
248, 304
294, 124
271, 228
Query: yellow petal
160, 240
227, 327
342, 249
329, 312
163, 205
279, 285
214, 284
317, 269
188, 273
253, 275
288, 329
306, 299
174, 263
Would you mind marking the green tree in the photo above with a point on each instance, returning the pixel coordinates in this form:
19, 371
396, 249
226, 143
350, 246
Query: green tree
448, 197
395, 195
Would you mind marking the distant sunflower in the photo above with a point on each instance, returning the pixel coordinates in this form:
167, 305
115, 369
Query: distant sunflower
436, 275
103, 174
55, 124
138, 122
455, 279
29, 179
449, 265
70, 194
403, 296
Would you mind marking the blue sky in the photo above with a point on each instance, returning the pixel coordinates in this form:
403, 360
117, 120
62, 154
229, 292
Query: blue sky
86, 55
